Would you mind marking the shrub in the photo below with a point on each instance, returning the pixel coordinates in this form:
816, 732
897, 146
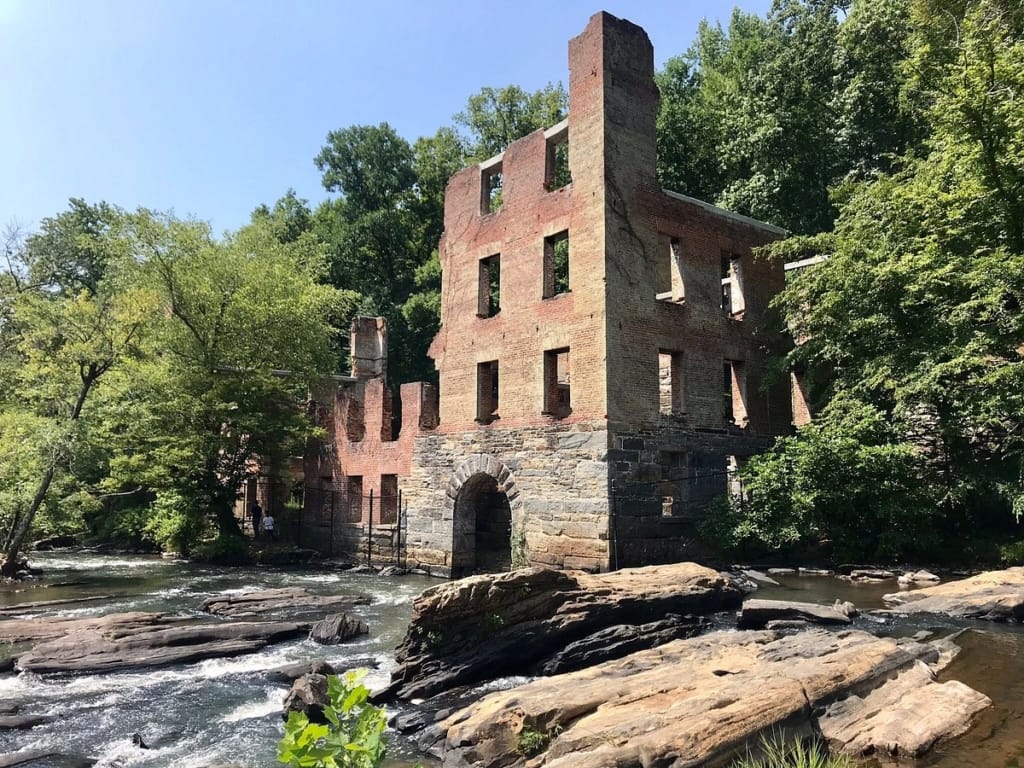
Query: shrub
352, 738
846, 481
224, 550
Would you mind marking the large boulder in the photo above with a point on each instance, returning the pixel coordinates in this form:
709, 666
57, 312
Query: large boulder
995, 596
492, 625
704, 700
337, 628
308, 696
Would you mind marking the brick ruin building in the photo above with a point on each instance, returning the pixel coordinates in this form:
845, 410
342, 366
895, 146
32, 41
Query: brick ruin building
599, 357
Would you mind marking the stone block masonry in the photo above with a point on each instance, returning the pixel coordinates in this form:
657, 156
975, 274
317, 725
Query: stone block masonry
600, 352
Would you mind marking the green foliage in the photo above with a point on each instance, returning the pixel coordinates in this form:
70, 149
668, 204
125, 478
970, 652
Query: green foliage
173, 522
846, 482
352, 738
208, 396
776, 752
495, 117
73, 312
224, 550
766, 115
1012, 553
532, 742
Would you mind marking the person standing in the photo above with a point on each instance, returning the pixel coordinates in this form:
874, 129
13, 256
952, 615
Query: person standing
257, 519
268, 526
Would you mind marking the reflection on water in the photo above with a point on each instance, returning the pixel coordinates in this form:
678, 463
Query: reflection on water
215, 712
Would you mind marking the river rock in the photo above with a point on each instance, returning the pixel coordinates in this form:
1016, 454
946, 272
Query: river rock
337, 628
703, 700
487, 626
903, 718
618, 641
43, 758
288, 601
113, 643
308, 696
21, 722
55, 542
994, 596
917, 577
289, 673
758, 576
755, 614
871, 574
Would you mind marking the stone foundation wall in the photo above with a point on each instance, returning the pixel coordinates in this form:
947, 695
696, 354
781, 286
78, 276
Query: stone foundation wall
556, 481
662, 483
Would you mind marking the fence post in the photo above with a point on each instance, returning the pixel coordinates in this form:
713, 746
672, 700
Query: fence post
369, 532
298, 527
334, 495
398, 530
612, 525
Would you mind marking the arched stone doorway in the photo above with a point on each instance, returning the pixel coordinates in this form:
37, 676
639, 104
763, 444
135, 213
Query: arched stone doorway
483, 495
483, 527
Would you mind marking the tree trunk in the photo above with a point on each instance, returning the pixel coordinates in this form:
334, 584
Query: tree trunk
20, 532
10, 564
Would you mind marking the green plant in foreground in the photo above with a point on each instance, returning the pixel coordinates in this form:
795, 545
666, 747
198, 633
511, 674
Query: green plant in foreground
352, 738
532, 742
777, 752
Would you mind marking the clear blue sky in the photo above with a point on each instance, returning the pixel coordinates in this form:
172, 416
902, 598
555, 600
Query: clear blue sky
210, 107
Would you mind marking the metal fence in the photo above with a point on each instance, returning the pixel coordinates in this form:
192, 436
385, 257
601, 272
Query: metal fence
336, 519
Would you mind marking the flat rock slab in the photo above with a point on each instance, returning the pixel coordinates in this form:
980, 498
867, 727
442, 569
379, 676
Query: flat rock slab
127, 641
42, 628
21, 722
41, 758
755, 614
703, 700
488, 626
995, 596
287, 601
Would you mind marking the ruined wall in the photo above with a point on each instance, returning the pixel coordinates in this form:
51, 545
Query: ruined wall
556, 480
590, 446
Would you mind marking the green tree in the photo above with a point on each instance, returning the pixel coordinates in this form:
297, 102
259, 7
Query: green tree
916, 315
768, 116
72, 314
247, 328
495, 117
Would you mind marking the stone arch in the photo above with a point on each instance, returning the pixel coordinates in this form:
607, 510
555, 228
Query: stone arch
483, 500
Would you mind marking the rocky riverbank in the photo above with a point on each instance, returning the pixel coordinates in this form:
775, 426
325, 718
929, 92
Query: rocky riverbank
645, 696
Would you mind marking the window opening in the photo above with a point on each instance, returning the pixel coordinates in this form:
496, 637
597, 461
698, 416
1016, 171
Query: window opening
670, 384
734, 392
670, 285
355, 497
556, 264
388, 498
557, 383
489, 297
557, 174
490, 185
487, 391
732, 285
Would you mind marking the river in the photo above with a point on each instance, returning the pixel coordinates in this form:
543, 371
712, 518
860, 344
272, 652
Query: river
223, 712
215, 712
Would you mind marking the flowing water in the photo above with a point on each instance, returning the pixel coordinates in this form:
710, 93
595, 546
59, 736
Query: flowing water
224, 712
215, 712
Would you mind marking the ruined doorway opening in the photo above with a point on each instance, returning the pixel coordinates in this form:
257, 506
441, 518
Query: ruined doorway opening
483, 528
